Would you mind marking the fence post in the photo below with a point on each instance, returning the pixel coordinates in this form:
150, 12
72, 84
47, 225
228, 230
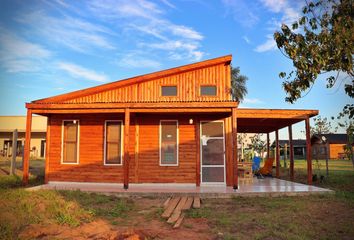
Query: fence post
14, 152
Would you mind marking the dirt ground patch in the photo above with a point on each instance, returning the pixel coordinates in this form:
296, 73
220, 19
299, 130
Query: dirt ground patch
101, 229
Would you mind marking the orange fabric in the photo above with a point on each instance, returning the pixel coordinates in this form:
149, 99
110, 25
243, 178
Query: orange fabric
268, 167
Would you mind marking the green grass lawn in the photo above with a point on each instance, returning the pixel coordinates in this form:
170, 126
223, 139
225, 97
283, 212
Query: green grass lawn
310, 217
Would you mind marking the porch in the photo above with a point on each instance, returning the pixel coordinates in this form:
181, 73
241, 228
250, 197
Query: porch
259, 188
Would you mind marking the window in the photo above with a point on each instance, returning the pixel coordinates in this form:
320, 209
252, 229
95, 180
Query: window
169, 90
208, 90
113, 143
70, 143
169, 143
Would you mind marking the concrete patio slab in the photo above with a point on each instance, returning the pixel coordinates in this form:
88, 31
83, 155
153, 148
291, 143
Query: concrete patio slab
260, 187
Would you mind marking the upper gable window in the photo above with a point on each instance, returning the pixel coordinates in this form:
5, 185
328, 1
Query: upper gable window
208, 90
169, 90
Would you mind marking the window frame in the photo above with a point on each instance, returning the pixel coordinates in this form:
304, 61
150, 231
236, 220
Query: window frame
208, 85
160, 142
105, 144
78, 143
169, 86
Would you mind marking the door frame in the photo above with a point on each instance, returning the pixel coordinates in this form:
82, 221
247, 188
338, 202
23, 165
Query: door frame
201, 153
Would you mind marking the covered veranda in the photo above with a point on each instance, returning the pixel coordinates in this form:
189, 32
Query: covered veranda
267, 121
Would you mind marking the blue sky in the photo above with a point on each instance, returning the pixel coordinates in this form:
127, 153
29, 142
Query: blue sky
53, 47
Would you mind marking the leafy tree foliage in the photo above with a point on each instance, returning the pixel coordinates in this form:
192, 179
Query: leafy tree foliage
321, 41
238, 84
321, 126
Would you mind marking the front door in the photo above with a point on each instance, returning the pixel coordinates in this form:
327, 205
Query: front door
212, 152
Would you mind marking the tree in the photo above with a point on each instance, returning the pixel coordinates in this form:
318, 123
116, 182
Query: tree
321, 41
238, 84
321, 126
257, 144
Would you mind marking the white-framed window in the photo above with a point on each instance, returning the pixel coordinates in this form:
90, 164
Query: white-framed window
70, 141
168, 142
113, 142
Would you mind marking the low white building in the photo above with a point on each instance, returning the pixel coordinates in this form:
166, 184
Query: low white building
38, 137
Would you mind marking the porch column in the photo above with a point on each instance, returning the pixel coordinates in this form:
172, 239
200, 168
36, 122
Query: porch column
27, 147
47, 144
277, 155
126, 148
291, 153
308, 151
268, 151
234, 149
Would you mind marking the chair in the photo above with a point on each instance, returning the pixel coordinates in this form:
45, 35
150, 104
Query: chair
267, 169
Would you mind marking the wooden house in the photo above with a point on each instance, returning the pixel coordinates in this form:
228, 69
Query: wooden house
329, 145
173, 126
299, 148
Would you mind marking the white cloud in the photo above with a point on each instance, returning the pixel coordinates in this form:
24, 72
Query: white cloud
185, 32
19, 55
252, 101
81, 72
143, 18
247, 40
74, 33
168, 3
290, 13
137, 62
268, 45
242, 11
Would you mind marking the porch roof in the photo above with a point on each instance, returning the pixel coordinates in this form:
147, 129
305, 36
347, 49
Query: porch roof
251, 120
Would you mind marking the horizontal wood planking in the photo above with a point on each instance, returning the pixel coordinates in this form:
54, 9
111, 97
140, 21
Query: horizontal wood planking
91, 168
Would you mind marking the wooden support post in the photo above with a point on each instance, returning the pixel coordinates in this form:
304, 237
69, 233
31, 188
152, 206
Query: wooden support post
197, 140
291, 153
268, 150
308, 151
26, 156
234, 149
14, 152
277, 155
47, 151
126, 148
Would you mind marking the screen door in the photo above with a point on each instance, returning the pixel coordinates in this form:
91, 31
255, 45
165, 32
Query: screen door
212, 147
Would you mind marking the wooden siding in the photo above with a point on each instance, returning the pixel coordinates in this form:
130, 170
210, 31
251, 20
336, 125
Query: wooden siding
335, 150
90, 167
144, 160
188, 88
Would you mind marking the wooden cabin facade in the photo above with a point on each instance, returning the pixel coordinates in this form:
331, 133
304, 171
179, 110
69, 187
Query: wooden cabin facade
174, 126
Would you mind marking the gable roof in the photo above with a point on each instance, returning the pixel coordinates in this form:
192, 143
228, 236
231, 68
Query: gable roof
296, 143
138, 79
334, 138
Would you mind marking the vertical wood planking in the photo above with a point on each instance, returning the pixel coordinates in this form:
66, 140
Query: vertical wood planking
188, 84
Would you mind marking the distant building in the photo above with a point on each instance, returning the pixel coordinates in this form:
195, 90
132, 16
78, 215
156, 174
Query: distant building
331, 144
7, 126
299, 146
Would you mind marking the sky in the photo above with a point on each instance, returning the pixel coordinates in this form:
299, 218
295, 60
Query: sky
53, 47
